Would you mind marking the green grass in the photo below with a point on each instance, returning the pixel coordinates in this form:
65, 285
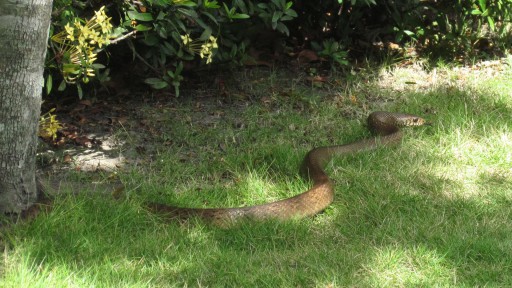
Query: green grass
435, 211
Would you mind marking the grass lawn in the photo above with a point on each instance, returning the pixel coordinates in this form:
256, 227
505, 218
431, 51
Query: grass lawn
435, 211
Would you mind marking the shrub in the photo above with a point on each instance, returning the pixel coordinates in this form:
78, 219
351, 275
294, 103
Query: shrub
174, 34
170, 32
178, 31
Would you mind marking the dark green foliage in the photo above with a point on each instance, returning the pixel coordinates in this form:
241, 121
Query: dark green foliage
177, 31
452, 28
177, 36
443, 28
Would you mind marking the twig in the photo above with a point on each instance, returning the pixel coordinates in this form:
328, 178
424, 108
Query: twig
146, 63
123, 37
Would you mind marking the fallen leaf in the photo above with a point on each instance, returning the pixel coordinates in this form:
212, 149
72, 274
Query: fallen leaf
86, 102
307, 56
67, 158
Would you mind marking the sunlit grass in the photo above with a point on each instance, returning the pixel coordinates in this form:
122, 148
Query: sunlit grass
408, 267
436, 211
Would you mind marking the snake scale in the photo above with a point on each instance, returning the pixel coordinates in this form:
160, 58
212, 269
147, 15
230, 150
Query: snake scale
384, 125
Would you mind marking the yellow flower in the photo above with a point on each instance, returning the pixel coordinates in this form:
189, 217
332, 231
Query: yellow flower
186, 39
82, 40
70, 31
86, 32
204, 51
213, 42
100, 15
90, 72
100, 41
102, 20
92, 56
48, 126
77, 24
106, 27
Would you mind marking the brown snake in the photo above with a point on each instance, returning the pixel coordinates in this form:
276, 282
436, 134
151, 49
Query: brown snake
384, 124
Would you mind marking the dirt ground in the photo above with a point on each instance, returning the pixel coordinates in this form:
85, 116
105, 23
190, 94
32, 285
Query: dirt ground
100, 135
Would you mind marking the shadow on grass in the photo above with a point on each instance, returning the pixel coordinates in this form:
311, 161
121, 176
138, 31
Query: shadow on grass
416, 228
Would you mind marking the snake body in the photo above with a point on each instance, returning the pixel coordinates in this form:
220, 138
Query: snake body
386, 127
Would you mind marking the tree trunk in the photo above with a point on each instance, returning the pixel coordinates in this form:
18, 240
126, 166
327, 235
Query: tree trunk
24, 28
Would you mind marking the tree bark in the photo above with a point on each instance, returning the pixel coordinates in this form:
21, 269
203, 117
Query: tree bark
24, 26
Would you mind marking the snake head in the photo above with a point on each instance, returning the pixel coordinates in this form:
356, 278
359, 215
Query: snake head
415, 121
407, 120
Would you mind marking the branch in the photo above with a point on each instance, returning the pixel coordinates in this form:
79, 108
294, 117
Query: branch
146, 63
115, 41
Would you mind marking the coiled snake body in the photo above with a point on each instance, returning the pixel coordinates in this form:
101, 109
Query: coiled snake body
384, 124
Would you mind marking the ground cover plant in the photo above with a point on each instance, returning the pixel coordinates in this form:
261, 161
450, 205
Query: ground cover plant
434, 211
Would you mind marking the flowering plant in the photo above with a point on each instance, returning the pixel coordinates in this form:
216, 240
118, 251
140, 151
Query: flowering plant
79, 43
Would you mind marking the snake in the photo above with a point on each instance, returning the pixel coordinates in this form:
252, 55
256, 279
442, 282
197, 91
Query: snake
386, 128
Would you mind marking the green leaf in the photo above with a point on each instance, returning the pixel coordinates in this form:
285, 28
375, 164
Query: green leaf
291, 12
49, 83
276, 16
156, 83
176, 36
181, 25
80, 91
211, 5
187, 57
409, 33
491, 23
188, 12
127, 23
228, 11
483, 4
277, 3
188, 3
240, 16
71, 68
118, 31
141, 27
98, 66
170, 49
283, 29
165, 49
214, 20
264, 15
62, 86
177, 89
151, 40
202, 24
161, 31
161, 16
140, 16
241, 5
206, 34
179, 68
